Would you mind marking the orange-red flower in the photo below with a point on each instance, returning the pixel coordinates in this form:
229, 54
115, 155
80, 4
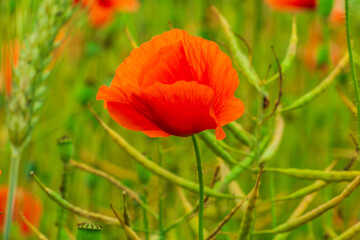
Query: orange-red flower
175, 84
26, 203
102, 11
10, 58
291, 5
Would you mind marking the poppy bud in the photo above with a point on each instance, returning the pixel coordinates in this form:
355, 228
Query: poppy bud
325, 7
88, 231
66, 148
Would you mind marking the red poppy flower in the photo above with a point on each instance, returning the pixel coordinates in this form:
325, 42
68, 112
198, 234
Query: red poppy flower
26, 203
175, 84
291, 5
10, 58
102, 11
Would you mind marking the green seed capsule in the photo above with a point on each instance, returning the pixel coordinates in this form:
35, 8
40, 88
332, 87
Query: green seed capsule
88, 231
325, 7
66, 148
323, 55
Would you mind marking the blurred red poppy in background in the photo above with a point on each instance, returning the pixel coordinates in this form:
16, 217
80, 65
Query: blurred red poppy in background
338, 12
318, 53
175, 84
26, 203
10, 57
291, 5
101, 11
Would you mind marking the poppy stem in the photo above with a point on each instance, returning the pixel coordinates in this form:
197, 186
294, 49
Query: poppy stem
351, 59
201, 187
161, 197
13, 181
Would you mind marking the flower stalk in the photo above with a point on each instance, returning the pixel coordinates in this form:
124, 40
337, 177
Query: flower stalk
201, 187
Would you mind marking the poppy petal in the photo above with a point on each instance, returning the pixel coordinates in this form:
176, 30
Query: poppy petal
214, 69
122, 111
232, 110
290, 5
168, 66
129, 71
180, 109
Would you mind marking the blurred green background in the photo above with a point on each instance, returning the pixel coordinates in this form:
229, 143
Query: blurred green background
314, 135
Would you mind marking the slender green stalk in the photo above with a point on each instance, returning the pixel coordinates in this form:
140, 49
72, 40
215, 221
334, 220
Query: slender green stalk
72, 208
247, 223
130, 234
182, 219
161, 200
216, 231
306, 98
350, 233
290, 53
272, 194
13, 181
240, 134
210, 140
302, 192
145, 219
201, 188
240, 167
352, 64
63, 190
36, 231
240, 58
133, 195
311, 215
309, 174
153, 167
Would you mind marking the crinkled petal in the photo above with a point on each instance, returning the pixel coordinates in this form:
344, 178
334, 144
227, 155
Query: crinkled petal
128, 72
232, 110
180, 109
167, 66
213, 68
122, 111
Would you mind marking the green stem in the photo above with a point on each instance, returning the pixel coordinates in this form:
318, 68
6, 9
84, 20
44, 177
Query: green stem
201, 188
161, 203
153, 167
63, 189
13, 180
145, 218
353, 71
272, 194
